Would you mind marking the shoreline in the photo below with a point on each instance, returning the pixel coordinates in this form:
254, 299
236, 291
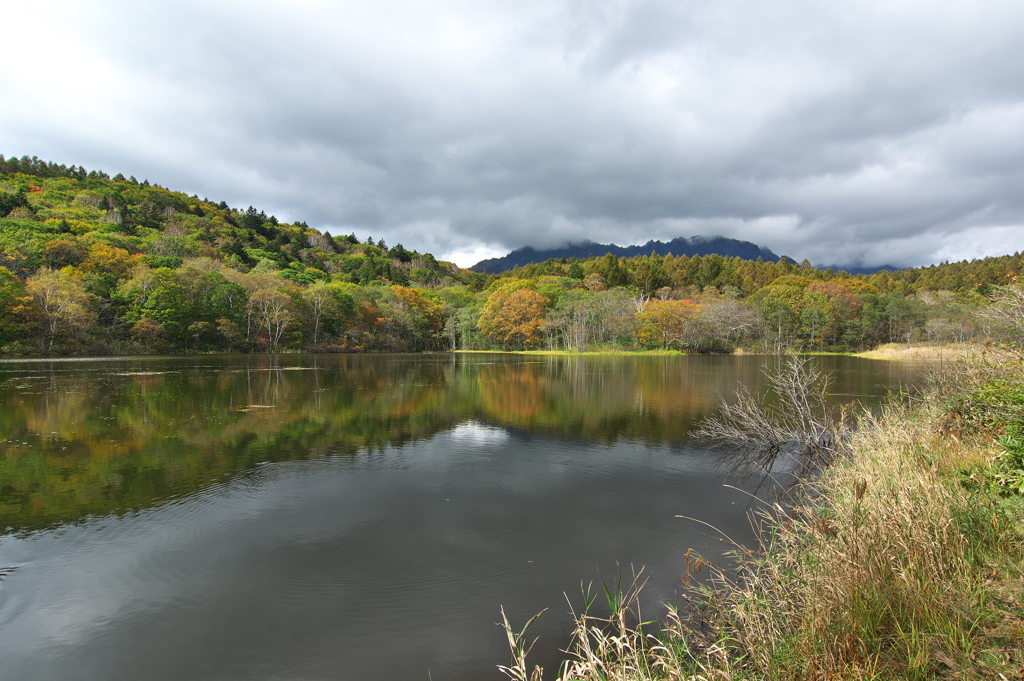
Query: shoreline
928, 352
904, 559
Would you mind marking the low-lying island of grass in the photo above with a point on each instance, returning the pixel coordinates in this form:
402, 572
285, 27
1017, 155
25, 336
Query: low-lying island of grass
903, 558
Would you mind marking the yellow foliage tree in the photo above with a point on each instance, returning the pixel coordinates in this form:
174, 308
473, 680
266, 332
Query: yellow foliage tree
667, 322
109, 260
433, 310
64, 302
19, 314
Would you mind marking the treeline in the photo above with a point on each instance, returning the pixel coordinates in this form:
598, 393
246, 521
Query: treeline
94, 264
38, 167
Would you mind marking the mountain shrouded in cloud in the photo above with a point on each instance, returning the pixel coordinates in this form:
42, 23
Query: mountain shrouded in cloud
860, 134
681, 246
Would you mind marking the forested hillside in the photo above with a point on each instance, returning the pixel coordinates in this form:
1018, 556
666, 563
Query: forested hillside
97, 264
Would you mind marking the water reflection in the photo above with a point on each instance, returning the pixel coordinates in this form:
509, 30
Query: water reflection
343, 517
380, 564
80, 439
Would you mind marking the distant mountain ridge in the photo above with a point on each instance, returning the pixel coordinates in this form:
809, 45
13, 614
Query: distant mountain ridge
695, 245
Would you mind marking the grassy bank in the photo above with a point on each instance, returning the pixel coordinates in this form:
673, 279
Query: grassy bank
946, 352
905, 559
604, 352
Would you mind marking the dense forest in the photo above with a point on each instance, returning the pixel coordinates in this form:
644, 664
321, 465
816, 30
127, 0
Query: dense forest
96, 264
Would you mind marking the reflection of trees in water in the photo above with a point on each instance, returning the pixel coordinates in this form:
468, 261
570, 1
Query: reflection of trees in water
512, 395
97, 443
124, 435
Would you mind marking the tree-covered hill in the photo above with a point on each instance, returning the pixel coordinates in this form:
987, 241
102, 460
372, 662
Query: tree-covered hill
96, 264
52, 215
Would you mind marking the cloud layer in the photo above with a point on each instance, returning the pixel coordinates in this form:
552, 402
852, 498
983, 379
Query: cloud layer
854, 133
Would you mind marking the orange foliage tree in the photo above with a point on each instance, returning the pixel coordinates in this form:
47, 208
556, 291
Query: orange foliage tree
513, 317
426, 303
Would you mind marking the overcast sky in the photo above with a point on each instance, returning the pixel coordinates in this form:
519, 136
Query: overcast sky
867, 132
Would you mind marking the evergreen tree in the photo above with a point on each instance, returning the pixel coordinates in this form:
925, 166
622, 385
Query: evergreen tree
9, 202
399, 253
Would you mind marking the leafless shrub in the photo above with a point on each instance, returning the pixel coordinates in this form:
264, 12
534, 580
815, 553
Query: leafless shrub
319, 242
801, 422
176, 228
88, 199
21, 213
1007, 310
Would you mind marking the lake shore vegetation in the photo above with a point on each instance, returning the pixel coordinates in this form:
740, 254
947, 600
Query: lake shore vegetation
904, 558
924, 352
94, 264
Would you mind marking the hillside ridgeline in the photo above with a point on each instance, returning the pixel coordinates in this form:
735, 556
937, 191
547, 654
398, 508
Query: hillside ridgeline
696, 245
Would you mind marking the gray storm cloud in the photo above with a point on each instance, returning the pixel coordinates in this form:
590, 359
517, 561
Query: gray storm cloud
854, 133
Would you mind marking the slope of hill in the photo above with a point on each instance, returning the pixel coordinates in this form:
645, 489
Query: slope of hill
53, 215
695, 245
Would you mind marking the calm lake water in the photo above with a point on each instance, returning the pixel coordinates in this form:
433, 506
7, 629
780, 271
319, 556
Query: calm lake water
349, 517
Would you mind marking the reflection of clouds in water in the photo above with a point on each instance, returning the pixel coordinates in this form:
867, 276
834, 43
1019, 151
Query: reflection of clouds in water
488, 516
85, 577
475, 433
107, 572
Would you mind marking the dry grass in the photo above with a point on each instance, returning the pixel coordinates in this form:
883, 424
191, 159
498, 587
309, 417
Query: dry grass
889, 568
883, 580
925, 352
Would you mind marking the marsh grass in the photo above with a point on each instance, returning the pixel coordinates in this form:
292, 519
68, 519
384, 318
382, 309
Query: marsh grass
924, 352
882, 581
892, 564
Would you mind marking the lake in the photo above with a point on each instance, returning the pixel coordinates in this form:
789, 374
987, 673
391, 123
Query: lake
351, 517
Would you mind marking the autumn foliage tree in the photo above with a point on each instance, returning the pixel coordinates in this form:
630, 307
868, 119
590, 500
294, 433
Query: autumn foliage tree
667, 323
64, 303
427, 315
19, 315
104, 266
513, 317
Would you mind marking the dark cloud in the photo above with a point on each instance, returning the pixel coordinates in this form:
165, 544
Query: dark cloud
865, 133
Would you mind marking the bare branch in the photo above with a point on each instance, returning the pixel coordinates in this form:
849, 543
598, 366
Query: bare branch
1007, 309
801, 423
